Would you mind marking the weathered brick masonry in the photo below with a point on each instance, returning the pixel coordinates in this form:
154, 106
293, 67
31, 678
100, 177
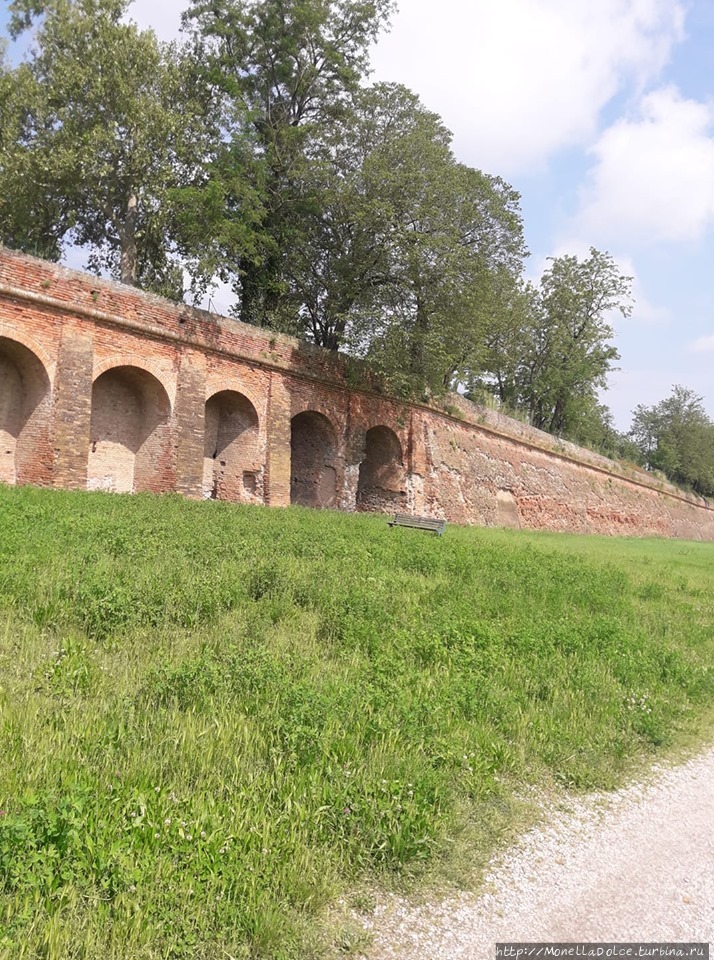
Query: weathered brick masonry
105, 388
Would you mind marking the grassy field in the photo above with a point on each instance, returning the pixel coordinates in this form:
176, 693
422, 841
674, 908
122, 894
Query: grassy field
214, 721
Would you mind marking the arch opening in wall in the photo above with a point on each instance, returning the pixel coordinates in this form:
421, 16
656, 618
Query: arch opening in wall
24, 415
129, 438
313, 460
231, 464
381, 486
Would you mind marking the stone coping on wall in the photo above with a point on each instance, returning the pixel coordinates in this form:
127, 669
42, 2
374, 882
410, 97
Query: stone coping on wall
60, 288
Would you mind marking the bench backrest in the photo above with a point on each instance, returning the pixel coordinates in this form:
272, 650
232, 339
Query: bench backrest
419, 523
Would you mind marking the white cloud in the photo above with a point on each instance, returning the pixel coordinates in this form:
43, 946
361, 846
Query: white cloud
654, 176
702, 345
517, 80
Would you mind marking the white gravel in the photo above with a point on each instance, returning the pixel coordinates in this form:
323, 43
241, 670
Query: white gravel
635, 865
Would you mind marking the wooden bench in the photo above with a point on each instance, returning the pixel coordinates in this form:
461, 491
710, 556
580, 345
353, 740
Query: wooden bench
418, 523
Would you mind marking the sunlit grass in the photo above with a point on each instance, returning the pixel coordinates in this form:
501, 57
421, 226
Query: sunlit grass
215, 720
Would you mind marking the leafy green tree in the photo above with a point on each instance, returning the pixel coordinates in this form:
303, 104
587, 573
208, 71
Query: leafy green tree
33, 216
445, 235
677, 437
506, 344
116, 122
286, 69
548, 351
553, 353
595, 429
570, 353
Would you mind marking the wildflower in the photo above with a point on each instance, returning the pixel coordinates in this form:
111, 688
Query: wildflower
157, 789
156, 836
167, 822
347, 811
203, 833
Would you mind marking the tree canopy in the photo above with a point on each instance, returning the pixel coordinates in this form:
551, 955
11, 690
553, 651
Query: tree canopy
285, 70
677, 437
553, 355
106, 122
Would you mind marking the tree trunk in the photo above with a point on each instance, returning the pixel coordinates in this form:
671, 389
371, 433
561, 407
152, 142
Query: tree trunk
128, 261
248, 291
557, 422
257, 299
418, 344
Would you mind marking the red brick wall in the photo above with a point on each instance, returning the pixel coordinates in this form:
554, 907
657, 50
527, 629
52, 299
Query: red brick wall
104, 386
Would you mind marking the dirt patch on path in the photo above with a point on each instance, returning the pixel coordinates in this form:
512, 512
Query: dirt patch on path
635, 865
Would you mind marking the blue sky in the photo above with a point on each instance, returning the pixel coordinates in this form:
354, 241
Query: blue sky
602, 115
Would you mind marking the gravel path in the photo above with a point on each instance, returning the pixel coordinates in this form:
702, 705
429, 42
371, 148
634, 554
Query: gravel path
636, 865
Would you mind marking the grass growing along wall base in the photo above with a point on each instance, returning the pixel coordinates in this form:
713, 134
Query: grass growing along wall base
214, 720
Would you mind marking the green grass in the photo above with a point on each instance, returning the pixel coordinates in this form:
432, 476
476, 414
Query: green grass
215, 720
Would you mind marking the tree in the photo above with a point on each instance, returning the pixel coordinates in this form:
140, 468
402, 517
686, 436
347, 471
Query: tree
33, 216
446, 233
117, 121
286, 68
506, 345
547, 351
557, 351
677, 437
595, 429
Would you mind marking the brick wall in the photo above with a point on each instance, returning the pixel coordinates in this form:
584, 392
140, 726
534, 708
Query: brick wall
104, 387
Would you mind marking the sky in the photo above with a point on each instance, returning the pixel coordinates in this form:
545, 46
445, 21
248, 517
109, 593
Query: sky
601, 114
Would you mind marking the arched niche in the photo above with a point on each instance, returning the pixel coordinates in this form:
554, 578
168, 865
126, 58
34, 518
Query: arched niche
381, 486
24, 415
129, 437
231, 467
313, 460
